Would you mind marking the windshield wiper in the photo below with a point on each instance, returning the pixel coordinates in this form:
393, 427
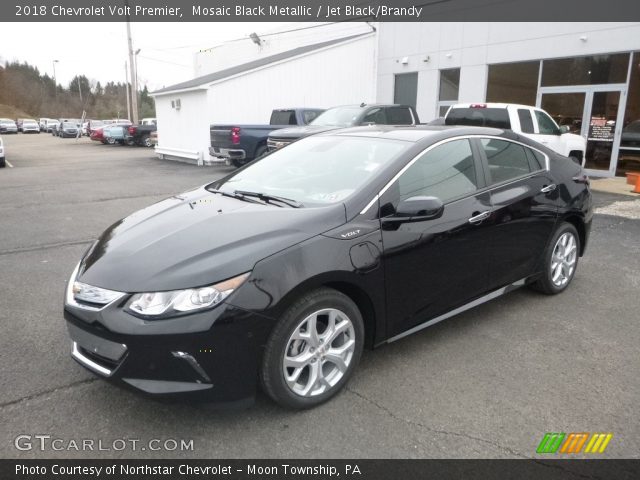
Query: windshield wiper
270, 198
234, 194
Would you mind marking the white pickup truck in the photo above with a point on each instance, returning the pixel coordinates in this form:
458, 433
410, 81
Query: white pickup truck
530, 122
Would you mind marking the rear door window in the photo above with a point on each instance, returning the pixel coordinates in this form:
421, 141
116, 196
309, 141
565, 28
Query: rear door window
507, 160
310, 115
526, 121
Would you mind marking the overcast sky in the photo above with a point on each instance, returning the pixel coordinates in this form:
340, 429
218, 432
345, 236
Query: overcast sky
99, 50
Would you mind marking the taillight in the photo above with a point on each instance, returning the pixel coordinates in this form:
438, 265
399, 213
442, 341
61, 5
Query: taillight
478, 105
235, 135
132, 130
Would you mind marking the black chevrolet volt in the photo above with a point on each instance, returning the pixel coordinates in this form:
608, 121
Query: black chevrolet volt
279, 274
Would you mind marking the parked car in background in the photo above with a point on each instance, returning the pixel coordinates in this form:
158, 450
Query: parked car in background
19, 123
97, 134
239, 144
140, 134
631, 135
3, 161
52, 126
88, 125
532, 122
288, 268
30, 126
42, 123
8, 126
115, 133
68, 130
346, 116
149, 121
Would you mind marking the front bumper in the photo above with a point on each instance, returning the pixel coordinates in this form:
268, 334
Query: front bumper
209, 356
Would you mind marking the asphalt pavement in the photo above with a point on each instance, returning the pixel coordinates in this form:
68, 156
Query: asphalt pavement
488, 383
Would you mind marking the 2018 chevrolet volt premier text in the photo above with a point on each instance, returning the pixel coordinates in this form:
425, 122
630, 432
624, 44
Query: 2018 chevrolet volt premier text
282, 272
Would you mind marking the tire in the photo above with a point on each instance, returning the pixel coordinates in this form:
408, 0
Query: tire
3, 162
145, 141
318, 378
566, 243
111, 141
239, 163
260, 152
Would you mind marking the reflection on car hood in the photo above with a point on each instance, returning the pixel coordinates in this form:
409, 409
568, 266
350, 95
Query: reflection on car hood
196, 239
299, 132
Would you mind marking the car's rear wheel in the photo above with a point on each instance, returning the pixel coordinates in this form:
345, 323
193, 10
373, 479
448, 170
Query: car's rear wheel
111, 141
3, 162
560, 261
313, 350
146, 141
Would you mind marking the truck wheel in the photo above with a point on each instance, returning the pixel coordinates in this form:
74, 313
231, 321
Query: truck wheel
3, 162
238, 163
260, 152
146, 141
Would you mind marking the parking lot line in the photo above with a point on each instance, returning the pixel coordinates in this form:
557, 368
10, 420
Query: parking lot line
8, 163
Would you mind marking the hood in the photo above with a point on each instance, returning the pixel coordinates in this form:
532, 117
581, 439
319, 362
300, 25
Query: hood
299, 132
195, 239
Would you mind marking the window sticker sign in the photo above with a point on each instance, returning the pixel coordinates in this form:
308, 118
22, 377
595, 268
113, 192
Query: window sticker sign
601, 129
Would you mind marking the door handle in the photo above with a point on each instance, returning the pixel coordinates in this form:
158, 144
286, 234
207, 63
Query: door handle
548, 188
480, 217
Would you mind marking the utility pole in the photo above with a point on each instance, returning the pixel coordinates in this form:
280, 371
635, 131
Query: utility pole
55, 81
126, 75
134, 96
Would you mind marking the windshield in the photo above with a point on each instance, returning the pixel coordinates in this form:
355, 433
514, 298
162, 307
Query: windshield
69, 125
338, 117
316, 170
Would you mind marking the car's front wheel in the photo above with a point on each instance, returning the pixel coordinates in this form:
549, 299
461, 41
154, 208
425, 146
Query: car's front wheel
313, 349
560, 261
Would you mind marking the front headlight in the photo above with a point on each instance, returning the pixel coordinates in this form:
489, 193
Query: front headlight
161, 304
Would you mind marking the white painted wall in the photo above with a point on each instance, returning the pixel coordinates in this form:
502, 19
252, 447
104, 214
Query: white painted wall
337, 75
473, 46
185, 130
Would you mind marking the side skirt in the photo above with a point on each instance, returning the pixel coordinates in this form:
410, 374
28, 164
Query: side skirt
463, 308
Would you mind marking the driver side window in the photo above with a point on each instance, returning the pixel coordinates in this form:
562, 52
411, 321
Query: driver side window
375, 116
447, 172
545, 124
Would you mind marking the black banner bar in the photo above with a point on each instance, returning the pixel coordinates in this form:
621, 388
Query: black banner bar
318, 10
320, 469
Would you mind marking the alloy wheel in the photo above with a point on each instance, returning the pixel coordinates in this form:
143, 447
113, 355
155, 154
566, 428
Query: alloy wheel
319, 352
563, 259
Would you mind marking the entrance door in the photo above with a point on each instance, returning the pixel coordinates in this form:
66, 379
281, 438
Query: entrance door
595, 113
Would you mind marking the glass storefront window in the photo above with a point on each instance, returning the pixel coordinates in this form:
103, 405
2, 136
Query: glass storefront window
629, 155
591, 70
449, 84
449, 88
513, 82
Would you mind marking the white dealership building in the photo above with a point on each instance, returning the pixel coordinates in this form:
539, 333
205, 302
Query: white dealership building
584, 74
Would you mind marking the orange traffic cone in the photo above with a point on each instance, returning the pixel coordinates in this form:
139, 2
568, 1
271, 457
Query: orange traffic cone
637, 187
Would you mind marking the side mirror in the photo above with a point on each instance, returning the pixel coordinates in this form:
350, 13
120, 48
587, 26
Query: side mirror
415, 209
564, 129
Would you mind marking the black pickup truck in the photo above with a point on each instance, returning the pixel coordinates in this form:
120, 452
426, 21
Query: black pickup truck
239, 144
343, 117
140, 135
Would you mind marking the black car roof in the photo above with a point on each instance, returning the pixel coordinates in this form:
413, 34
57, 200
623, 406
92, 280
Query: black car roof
420, 132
